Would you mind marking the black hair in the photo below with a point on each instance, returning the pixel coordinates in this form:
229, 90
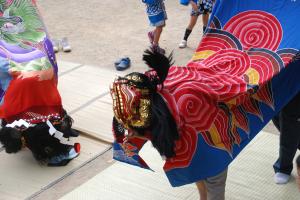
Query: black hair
65, 125
42, 144
11, 139
158, 62
37, 138
163, 127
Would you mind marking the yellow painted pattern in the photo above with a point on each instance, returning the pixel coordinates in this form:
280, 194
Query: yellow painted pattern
253, 76
215, 136
234, 121
231, 102
202, 54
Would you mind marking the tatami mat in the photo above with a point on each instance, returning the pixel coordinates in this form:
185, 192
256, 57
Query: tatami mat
96, 120
251, 175
81, 88
250, 178
85, 94
67, 67
124, 182
22, 177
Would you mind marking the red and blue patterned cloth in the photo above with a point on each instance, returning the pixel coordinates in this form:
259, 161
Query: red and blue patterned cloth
237, 81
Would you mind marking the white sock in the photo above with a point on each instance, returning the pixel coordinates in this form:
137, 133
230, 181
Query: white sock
281, 178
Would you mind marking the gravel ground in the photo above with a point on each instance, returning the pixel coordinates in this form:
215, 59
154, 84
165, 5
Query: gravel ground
100, 31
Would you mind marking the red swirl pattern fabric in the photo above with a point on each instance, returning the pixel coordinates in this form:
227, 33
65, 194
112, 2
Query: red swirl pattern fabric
211, 95
236, 81
256, 29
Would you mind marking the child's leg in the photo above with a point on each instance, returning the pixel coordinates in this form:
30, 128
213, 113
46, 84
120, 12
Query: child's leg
188, 30
206, 8
202, 190
155, 45
157, 32
194, 15
193, 21
190, 27
205, 18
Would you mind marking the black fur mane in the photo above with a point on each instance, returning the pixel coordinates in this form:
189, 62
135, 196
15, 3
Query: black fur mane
163, 127
159, 63
37, 138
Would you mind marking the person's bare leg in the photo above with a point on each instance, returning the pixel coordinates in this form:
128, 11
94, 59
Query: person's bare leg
157, 33
155, 45
205, 18
192, 23
202, 190
188, 31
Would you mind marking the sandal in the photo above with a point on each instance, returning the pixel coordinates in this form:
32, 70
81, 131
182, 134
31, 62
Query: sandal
119, 61
151, 36
124, 64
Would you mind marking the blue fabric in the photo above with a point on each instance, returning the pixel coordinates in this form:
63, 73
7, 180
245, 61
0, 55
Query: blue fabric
204, 7
156, 13
133, 159
243, 73
150, 1
186, 2
5, 77
209, 161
